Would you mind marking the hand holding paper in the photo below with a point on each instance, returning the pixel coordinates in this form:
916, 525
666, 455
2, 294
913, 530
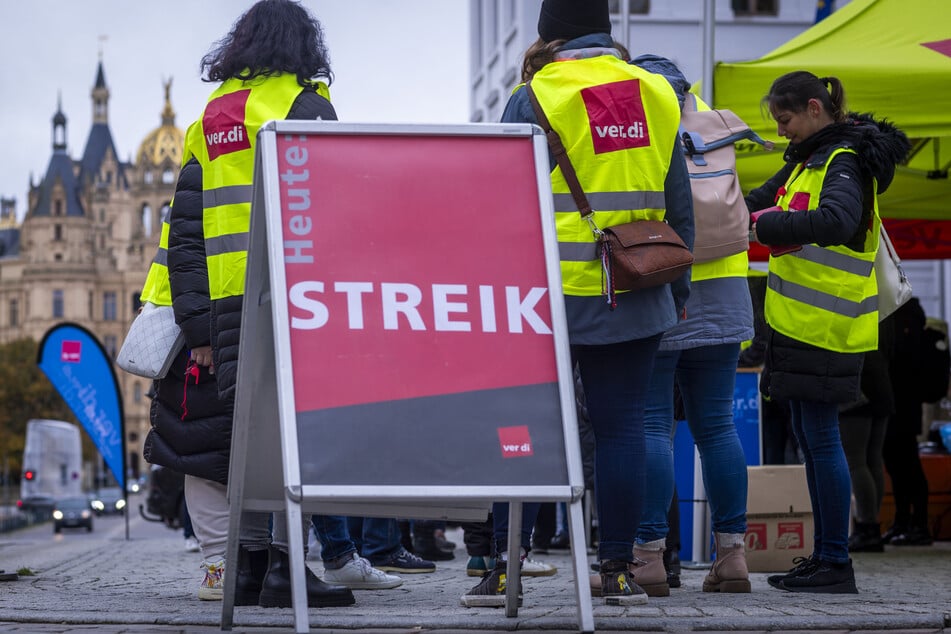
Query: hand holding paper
774, 250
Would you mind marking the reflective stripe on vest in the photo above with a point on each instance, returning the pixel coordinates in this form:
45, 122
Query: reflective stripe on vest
157, 289
824, 296
224, 144
610, 115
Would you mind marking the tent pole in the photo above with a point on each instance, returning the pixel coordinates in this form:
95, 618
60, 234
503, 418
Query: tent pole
709, 19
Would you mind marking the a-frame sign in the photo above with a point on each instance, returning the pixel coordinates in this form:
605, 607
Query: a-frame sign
403, 294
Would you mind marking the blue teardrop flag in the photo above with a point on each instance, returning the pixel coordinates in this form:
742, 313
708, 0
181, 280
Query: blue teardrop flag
79, 368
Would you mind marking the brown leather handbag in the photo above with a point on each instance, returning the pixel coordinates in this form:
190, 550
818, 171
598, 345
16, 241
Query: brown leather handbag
634, 255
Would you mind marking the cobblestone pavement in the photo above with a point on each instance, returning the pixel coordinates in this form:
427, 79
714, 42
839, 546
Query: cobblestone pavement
148, 584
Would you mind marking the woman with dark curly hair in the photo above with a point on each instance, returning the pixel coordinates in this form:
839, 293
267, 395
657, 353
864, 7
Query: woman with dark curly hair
272, 64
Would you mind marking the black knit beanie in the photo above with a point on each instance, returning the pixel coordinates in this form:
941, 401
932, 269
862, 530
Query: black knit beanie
568, 19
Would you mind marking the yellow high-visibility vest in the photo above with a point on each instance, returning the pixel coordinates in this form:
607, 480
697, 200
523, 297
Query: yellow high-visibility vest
612, 117
824, 296
157, 289
224, 145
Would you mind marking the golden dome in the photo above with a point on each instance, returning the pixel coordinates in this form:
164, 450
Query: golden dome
165, 142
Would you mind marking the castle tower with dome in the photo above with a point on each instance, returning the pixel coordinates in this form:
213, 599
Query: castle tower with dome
84, 247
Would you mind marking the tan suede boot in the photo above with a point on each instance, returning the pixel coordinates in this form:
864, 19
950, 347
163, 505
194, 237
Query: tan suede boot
648, 568
729, 572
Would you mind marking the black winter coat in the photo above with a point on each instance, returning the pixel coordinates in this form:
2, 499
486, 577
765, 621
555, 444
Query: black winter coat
200, 445
795, 370
191, 426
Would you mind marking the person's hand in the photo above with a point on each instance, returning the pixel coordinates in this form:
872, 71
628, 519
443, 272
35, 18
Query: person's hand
202, 356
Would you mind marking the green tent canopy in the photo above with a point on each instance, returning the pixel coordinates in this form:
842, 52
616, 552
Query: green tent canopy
894, 59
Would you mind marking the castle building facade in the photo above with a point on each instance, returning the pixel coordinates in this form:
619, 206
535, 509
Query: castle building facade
84, 247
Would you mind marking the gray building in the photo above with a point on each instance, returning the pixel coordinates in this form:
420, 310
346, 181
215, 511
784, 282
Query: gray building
501, 30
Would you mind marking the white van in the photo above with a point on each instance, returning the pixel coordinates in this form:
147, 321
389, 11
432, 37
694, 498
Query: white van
52, 464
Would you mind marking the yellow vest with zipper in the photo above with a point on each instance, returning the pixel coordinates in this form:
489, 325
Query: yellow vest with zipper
588, 102
825, 296
225, 149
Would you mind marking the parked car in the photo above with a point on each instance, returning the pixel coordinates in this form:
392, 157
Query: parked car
108, 501
72, 513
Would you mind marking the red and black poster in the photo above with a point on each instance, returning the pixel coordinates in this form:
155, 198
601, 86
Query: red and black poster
420, 311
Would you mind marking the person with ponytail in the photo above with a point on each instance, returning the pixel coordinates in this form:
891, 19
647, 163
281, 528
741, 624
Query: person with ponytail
822, 299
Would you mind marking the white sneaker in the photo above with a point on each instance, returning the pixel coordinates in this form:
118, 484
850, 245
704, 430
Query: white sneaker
532, 568
191, 545
212, 586
358, 574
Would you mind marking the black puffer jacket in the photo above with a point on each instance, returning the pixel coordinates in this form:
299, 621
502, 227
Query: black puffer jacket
793, 369
189, 275
191, 426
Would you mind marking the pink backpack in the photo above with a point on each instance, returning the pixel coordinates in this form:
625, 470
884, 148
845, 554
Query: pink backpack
721, 220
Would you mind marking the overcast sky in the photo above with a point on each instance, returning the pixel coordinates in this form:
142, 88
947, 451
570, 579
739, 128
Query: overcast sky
393, 61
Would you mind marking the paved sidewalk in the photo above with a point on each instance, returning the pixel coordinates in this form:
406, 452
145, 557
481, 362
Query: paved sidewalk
148, 585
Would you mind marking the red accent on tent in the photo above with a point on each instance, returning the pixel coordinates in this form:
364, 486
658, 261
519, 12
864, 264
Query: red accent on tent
941, 46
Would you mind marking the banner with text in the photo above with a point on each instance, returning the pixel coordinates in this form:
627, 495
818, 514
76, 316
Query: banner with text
81, 371
419, 309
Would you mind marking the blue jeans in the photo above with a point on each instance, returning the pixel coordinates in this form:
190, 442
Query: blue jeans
334, 536
500, 525
706, 377
376, 538
615, 379
816, 426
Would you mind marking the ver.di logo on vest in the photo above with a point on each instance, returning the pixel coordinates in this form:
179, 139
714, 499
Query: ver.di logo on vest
223, 124
616, 116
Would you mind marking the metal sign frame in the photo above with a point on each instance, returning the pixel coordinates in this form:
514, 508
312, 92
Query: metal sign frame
265, 387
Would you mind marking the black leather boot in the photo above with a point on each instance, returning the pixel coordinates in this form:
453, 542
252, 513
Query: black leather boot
252, 566
424, 545
672, 567
276, 588
866, 538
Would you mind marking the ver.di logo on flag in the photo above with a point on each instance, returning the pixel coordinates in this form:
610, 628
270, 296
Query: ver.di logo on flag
71, 351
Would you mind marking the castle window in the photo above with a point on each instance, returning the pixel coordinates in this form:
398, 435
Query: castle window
147, 177
58, 308
109, 306
111, 344
14, 312
89, 303
137, 392
57, 207
168, 177
147, 219
57, 232
58, 257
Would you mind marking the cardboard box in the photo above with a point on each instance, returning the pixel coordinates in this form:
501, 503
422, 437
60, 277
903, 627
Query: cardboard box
778, 517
